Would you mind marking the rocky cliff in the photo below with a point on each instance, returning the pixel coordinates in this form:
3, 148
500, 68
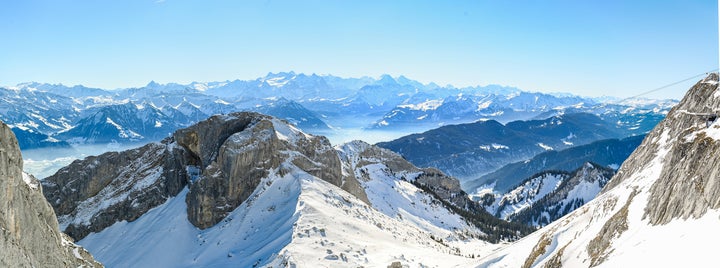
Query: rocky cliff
29, 236
660, 210
221, 160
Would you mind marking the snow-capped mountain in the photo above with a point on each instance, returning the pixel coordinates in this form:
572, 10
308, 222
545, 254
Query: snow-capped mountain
122, 122
251, 190
29, 139
295, 113
660, 210
32, 109
468, 151
382, 104
549, 195
464, 108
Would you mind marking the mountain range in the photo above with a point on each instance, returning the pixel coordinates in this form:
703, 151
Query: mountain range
608, 153
469, 151
321, 104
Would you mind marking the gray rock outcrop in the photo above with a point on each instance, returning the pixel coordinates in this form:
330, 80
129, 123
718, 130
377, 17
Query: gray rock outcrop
222, 160
92, 194
29, 236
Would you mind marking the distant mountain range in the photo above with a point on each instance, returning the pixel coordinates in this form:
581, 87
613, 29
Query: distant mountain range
315, 103
609, 153
469, 151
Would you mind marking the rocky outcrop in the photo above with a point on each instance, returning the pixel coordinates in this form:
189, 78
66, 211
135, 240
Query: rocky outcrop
29, 236
222, 160
261, 146
92, 194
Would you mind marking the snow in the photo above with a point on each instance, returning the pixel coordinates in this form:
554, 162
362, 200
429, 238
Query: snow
678, 243
683, 243
277, 81
427, 105
30, 181
114, 194
493, 146
483, 105
296, 219
402, 200
288, 132
526, 194
712, 131
250, 234
546, 147
122, 133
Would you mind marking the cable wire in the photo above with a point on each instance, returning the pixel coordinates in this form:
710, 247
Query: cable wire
666, 86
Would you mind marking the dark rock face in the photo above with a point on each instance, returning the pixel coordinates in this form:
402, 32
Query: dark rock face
108, 186
205, 138
28, 233
243, 160
263, 147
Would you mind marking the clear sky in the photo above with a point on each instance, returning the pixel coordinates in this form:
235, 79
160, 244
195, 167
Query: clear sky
592, 48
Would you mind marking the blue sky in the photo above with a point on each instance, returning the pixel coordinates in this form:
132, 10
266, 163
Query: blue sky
592, 48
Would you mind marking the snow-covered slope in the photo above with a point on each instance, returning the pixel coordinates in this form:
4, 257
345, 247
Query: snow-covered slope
660, 210
549, 195
250, 190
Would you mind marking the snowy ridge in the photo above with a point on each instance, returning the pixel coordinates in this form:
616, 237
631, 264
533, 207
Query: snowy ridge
141, 175
526, 194
547, 196
655, 212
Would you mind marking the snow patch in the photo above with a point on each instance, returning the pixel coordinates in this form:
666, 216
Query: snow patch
30, 181
546, 147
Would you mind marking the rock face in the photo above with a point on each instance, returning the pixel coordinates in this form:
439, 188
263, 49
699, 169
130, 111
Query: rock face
28, 233
658, 211
236, 152
91, 194
222, 160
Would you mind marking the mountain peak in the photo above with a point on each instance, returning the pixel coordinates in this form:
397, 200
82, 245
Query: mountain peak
152, 84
